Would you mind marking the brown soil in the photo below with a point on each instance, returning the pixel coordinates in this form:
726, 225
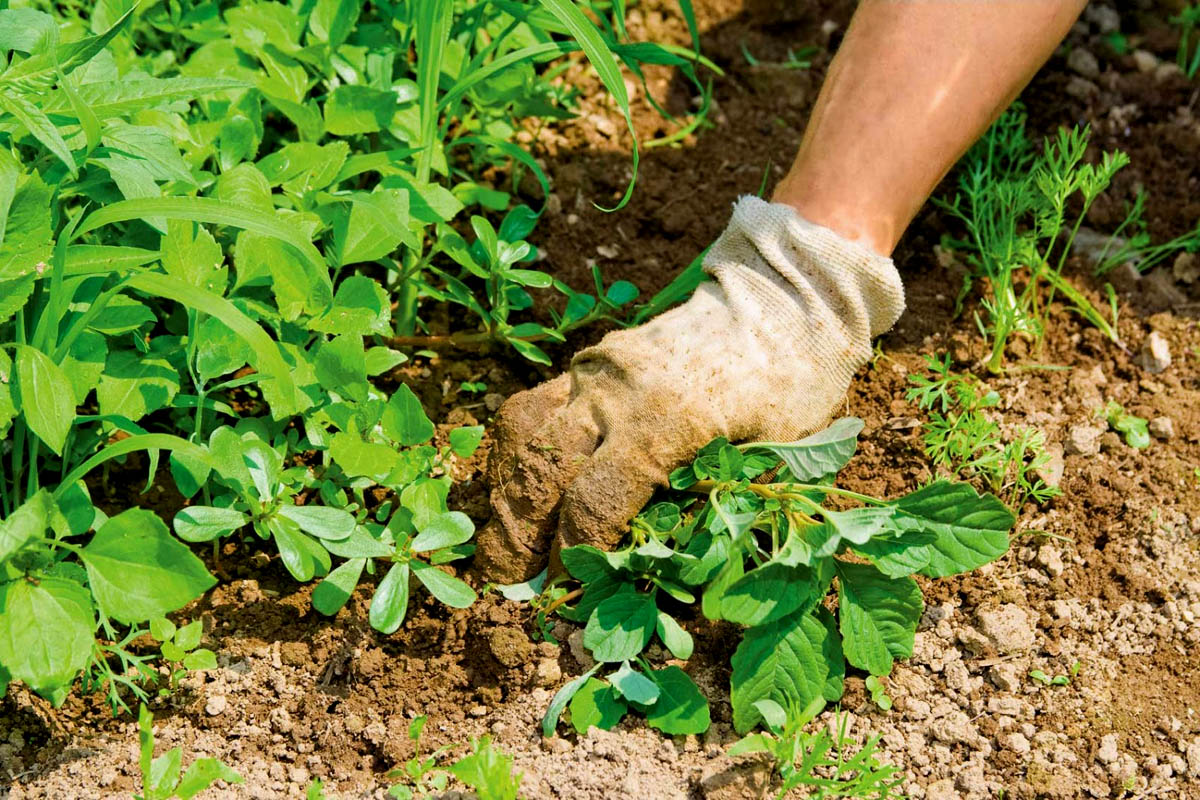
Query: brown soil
1106, 575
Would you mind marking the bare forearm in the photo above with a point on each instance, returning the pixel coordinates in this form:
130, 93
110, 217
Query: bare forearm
913, 85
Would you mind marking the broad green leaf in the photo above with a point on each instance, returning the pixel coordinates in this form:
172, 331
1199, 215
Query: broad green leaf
586, 563
634, 686
596, 704
200, 660
201, 774
352, 110
621, 626
560, 700
446, 588
138, 571
341, 366
360, 544
878, 616
823, 453
188, 637
321, 521
356, 457
45, 632
304, 166
971, 530
219, 350
425, 498
205, 523
404, 420
26, 30
25, 524
332, 21
134, 385
360, 306
769, 592
714, 593
465, 441
898, 556
488, 771
444, 530
84, 363
787, 661
333, 592
151, 146
677, 640
162, 629
680, 708
303, 556
389, 605
44, 396
190, 253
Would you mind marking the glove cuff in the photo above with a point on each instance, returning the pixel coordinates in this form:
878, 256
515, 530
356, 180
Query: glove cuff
768, 250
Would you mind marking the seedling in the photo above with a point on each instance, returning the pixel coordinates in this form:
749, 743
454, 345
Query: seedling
879, 695
1188, 54
1058, 680
485, 770
764, 556
819, 761
181, 646
1135, 429
161, 779
1014, 204
961, 438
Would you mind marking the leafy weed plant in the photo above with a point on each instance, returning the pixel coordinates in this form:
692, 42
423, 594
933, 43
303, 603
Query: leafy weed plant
1188, 54
485, 770
819, 761
1015, 205
163, 776
962, 439
217, 225
765, 556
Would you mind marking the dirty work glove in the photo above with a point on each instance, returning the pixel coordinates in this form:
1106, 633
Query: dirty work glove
765, 352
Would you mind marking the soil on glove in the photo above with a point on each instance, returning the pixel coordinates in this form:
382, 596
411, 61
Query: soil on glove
1107, 576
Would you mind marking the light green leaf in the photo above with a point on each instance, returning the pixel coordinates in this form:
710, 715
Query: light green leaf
404, 420
633, 685
596, 704
323, 522
333, 592
677, 640
621, 626
27, 522
352, 110
444, 530
823, 453
341, 366
137, 571
446, 588
786, 661
560, 700
205, 523
39, 126
769, 592
360, 306
133, 385
971, 530
356, 457
45, 632
680, 708
390, 602
465, 441
878, 616
202, 773
44, 395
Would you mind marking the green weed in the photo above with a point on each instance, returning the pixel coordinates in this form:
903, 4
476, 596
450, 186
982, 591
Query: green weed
1188, 54
763, 556
819, 761
218, 224
1015, 205
161, 776
960, 437
485, 770
1135, 429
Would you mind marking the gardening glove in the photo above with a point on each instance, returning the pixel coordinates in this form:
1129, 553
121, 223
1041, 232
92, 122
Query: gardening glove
765, 352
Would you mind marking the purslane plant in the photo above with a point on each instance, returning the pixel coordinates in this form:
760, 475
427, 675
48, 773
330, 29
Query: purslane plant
765, 556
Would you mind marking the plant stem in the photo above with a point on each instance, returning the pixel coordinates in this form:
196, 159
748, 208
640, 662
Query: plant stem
566, 598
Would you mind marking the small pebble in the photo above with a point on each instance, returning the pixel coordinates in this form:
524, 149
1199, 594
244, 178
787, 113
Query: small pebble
216, 705
1162, 428
1155, 356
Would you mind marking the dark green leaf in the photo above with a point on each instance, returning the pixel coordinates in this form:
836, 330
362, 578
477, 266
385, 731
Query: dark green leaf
971, 530
621, 626
878, 615
444, 530
404, 420
333, 592
45, 632
44, 396
205, 523
821, 454
446, 588
769, 592
389, 606
596, 705
680, 709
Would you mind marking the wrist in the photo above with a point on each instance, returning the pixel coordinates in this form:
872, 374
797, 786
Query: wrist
855, 218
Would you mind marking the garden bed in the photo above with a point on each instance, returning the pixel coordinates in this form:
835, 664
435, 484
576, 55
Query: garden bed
1106, 576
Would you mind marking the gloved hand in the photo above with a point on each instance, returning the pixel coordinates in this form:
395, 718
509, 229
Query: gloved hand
765, 352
